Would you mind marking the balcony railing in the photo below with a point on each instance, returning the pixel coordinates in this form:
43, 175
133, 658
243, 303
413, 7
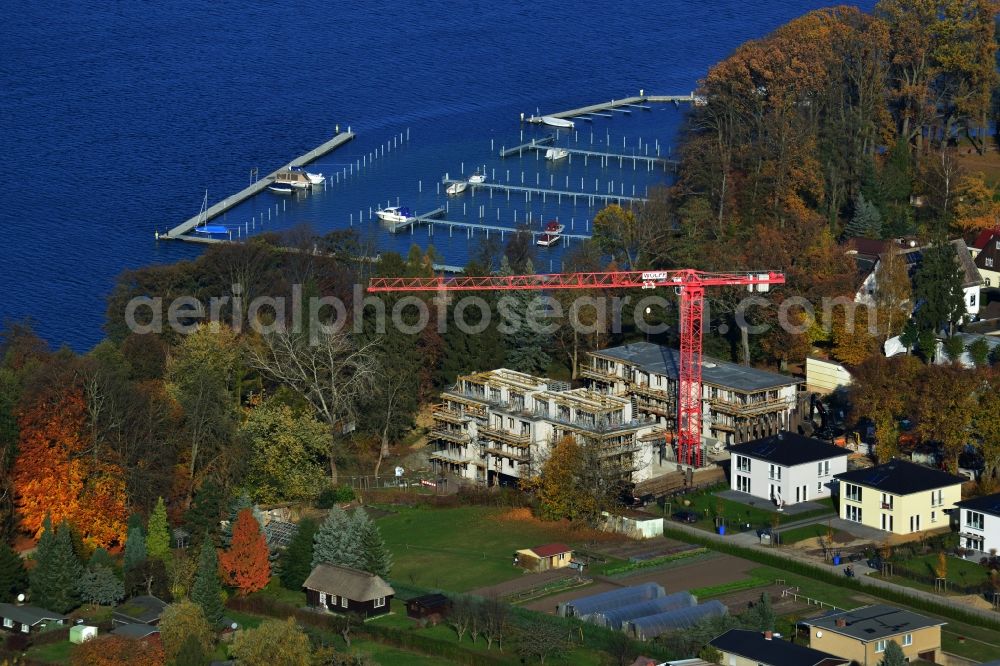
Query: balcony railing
442, 413
744, 408
602, 375
456, 436
521, 440
887, 506
500, 453
602, 427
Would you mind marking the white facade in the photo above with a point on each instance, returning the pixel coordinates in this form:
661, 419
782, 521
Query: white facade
500, 426
978, 530
788, 484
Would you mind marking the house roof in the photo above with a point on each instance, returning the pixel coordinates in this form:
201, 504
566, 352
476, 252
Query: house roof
773, 652
550, 549
901, 477
989, 251
789, 448
982, 238
144, 609
875, 622
429, 601
868, 247
30, 615
661, 360
133, 630
348, 582
987, 504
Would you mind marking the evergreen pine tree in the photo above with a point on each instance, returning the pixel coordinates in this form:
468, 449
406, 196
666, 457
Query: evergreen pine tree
765, 613
866, 221
375, 557
296, 561
526, 344
893, 655
335, 541
100, 558
135, 549
158, 536
57, 571
13, 576
937, 288
207, 589
134, 521
99, 585
203, 516
191, 653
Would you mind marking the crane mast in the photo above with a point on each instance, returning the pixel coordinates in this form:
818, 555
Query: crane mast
689, 285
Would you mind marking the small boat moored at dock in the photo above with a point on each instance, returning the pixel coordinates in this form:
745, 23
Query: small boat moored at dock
478, 177
295, 179
552, 121
395, 214
554, 154
314, 178
551, 235
456, 188
280, 188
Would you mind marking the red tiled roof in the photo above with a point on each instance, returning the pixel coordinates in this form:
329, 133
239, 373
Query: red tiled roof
983, 238
550, 549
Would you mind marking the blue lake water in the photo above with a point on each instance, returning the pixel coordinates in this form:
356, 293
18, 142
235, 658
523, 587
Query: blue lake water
116, 117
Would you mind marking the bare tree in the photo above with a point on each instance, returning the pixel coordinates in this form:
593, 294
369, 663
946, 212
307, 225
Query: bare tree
391, 393
325, 368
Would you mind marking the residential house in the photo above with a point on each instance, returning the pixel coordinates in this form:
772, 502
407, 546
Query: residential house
135, 631
497, 427
341, 589
867, 256
741, 647
738, 402
862, 634
979, 523
545, 557
988, 261
430, 607
145, 609
899, 496
786, 468
25, 619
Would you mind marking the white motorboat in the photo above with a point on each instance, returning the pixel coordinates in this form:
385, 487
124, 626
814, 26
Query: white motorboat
292, 178
551, 235
552, 121
456, 188
478, 177
314, 178
395, 214
556, 154
280, 188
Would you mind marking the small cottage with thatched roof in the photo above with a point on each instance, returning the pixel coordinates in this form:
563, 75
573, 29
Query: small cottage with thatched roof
341, 589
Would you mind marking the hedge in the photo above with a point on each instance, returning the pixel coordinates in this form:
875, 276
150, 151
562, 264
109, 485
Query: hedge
826, 576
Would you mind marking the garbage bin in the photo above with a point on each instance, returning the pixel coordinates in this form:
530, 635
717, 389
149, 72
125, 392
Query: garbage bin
722, 529
836, 560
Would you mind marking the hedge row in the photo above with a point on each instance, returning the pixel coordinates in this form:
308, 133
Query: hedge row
827, 576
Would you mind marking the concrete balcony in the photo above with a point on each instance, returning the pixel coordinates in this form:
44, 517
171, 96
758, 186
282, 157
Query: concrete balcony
504, 436
600, 375
442, 413
751, 408
457, 436
500, 453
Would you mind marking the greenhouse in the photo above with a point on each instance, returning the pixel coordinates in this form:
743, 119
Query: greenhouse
616, 618
645, 628
610, 600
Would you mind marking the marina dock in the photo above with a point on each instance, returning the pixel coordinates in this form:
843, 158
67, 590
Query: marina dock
433, 218
534, 143
606, 157
179, 232
557, 194
640, 102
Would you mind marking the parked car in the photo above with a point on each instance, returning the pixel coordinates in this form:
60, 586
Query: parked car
685, 517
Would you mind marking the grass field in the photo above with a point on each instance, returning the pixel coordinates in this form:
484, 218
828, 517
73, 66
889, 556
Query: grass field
796, 534
707, 505
53, 653
961, 572
459, 549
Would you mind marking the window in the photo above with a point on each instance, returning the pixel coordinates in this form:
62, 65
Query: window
907, 639
880, 646
819, 487
887, 522
25, 628
379, 602
7, 622
887, 501
933, 516
343, 602
322, 599
989, 262
852, 513
937, 497
774, 472
914, 523
974, 520
823, 468
852, 492
743, 483
742, 464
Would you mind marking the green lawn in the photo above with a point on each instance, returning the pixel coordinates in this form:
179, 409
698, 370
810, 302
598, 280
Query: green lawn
796, 534
961, 572
457, 549
53, 653
707, 505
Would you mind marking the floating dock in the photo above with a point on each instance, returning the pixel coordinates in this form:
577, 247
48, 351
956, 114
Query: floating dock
543, 192
534, 143
621, 105
179, 232
433, 218
606, 157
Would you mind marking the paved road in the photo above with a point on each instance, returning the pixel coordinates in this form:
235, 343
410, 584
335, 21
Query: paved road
749, 540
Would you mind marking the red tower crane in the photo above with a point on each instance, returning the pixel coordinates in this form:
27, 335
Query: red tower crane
689, 285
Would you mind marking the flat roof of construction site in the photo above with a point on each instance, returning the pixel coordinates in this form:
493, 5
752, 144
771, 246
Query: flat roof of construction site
661, 360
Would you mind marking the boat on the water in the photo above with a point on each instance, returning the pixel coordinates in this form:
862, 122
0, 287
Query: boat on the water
395, 214
203, 227
457, 187
294, 179
478, 177
552, 121
314, 178
556, 154
280, 188
551, 235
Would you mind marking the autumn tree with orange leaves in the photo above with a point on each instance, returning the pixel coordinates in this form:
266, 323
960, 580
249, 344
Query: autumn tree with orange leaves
116, 651
245, 565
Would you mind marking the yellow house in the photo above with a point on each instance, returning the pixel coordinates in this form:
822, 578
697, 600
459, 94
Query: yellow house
740, 647
862, 635
543, 558
899, 496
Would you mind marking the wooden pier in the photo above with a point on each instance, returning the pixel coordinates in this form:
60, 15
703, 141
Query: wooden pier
558, 194
534, 143
621, 105
179, 232
606, 157
433, 218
